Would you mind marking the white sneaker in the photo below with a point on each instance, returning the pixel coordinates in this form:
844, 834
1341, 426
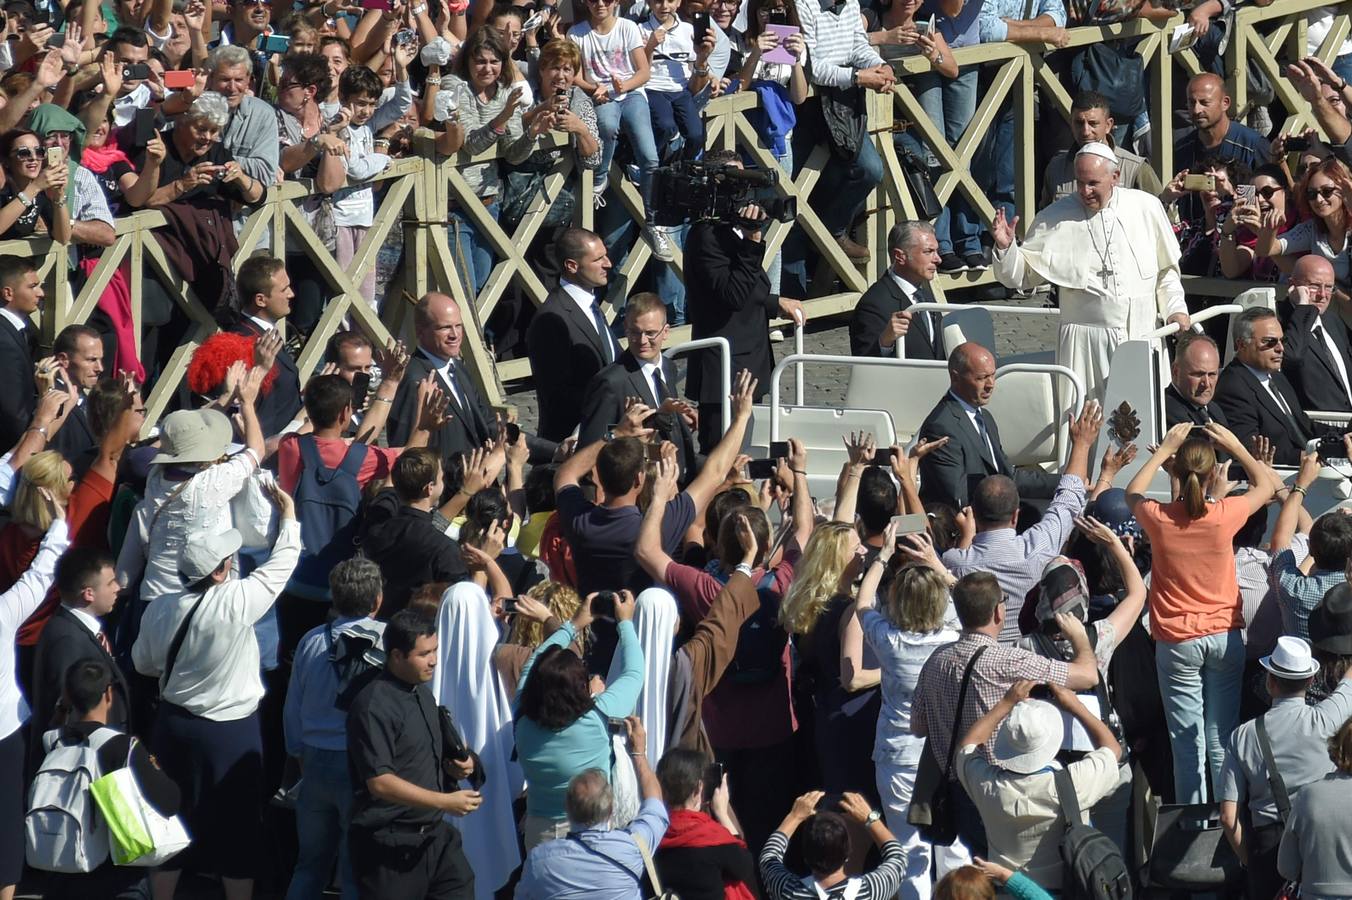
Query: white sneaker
658, 241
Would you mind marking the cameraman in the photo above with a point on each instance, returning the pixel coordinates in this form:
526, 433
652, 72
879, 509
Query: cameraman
728, 295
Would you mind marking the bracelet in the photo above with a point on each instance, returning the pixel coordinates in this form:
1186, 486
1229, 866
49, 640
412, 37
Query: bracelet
40, 429
799, 472
23, 198
382, 400
419, 9
1300, 490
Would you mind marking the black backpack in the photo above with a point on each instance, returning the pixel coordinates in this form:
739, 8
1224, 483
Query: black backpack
1094, 868
357, 656
759, 656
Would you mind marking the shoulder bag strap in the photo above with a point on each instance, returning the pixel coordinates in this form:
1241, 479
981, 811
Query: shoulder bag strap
1275, 782
177, 643
957, 716
1066, 796
173, 495
648, 863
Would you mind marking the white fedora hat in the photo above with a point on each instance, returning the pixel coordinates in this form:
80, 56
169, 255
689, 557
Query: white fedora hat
1291, 659
1029, 737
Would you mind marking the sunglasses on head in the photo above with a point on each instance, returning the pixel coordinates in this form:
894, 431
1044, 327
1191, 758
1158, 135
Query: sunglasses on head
1326, 192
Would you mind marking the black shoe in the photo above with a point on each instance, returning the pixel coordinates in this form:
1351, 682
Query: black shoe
951, 264
976, 262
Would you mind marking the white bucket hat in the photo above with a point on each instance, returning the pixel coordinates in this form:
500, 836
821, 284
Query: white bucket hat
1029, 737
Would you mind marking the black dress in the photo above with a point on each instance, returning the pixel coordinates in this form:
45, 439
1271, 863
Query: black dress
844, 722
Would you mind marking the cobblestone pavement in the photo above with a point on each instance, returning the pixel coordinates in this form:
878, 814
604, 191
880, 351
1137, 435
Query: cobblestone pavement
825, 385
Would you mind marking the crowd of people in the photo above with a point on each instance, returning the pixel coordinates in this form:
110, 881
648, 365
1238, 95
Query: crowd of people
358, 633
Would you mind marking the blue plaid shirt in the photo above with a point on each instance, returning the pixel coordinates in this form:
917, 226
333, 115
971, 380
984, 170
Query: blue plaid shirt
991, 23
1298, 593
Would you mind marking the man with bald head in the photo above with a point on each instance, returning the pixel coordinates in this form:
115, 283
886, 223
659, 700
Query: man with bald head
470, 422
1112, 254
1212, 132
1318, 360
1191, 395
950, 473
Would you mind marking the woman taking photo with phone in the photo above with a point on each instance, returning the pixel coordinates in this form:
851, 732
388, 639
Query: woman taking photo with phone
1321, 198
33, 199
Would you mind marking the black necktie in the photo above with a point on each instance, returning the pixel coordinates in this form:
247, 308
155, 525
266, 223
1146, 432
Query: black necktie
603, 329
659, 386
30, 337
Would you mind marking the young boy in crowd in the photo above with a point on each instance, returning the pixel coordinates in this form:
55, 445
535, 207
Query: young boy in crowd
670, 48
359, 90
614, 71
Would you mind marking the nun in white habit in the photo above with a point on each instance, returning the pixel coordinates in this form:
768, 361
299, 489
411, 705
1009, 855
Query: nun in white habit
467, 684
655, 619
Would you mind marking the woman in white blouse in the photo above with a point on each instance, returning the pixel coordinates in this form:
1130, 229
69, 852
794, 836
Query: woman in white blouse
902, 638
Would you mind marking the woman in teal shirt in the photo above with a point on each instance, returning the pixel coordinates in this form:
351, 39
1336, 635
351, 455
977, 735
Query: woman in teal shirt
561, 728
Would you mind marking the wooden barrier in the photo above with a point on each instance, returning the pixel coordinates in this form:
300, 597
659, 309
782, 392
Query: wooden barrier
419, 193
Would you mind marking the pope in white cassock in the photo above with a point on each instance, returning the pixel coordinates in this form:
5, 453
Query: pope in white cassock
1113, 255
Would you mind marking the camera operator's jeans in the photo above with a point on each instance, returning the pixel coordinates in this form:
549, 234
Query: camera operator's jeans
631, 116
1199, 683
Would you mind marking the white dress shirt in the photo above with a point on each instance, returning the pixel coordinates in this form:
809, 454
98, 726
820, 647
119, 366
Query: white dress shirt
262, 323
18, 321
16, 605
1265, 379
91, 622
216, 675
1336, 354
444, 368
910, 290
972, 416
648, 368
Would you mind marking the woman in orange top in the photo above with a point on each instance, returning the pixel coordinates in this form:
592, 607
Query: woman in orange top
1194, 595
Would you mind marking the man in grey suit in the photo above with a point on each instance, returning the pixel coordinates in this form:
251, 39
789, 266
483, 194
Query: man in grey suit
641, 372
973, 451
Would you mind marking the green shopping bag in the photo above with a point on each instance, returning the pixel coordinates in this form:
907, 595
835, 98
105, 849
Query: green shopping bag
137, 834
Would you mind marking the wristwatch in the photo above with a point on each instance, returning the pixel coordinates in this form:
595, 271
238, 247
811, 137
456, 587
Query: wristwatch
872, 817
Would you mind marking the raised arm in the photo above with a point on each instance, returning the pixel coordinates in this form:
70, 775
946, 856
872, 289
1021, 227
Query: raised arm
859, 451
1128, 609
1285, 528
649, 552
716, 466
984, 727
1099, 732
575, 467
1140, 482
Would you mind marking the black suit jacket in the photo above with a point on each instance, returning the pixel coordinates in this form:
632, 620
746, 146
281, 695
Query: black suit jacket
471, 422
874, 310
1251, 410
1178, 409
18, 398
727, 294
565, 353
603, 405
76, 440
949, 474
278, 406
66, 640
1309, 365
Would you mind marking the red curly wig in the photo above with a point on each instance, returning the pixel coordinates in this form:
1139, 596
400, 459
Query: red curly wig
213, 359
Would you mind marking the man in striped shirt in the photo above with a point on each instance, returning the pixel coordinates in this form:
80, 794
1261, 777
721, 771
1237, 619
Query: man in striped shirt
840, 56
825, 846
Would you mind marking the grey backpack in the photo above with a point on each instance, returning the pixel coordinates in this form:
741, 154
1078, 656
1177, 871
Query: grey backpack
63, 830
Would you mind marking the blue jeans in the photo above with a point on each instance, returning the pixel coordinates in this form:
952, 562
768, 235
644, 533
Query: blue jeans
952, 101
843, 187
323, 811
1199, 682
630, 116
676, 115
474, 255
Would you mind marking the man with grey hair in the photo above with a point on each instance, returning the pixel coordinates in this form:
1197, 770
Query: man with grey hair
882, 315
595, 861
1113, 256
1254, 393
250, 132
315, 723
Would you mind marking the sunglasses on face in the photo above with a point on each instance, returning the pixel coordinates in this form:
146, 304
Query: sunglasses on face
1267, 193
27, 153
1326, 192
1269, 342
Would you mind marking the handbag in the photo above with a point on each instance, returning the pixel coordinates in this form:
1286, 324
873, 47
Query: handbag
935, 818
921, 187
623, 784
138, 835
453, 747
1116, 72
1190, 852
